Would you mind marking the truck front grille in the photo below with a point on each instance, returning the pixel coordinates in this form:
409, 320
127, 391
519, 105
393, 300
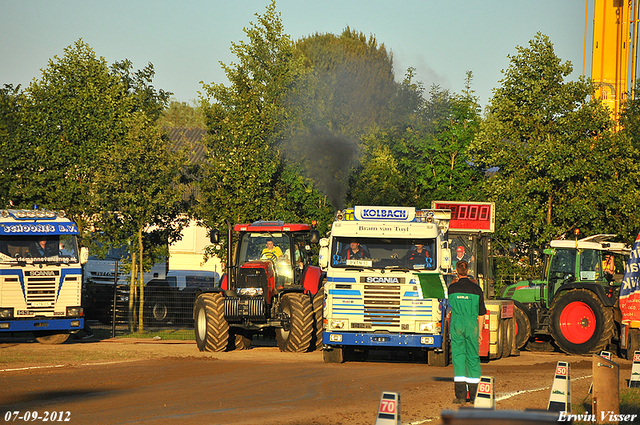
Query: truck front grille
382, 305
41, 293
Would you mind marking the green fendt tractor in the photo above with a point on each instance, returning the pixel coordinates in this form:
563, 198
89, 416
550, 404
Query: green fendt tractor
575, 303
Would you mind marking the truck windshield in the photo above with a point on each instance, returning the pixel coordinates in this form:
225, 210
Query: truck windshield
38, 249
383, 253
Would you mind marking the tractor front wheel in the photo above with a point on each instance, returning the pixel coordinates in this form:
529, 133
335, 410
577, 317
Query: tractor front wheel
580, 324
318, 310
242, 339
523, 326
297, 336
211, 328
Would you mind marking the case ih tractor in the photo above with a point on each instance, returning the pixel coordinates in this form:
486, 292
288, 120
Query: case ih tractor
574, 305
269, 287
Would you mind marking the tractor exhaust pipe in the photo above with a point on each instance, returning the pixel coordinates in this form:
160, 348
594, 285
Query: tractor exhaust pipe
230, 274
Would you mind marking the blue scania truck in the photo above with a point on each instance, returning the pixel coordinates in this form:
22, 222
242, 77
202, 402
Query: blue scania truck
385, 286
40, 275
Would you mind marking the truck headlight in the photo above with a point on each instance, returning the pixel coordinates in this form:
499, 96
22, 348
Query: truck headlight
335, 337
430, 327
74, 311
338, 324
6, 313
250, 292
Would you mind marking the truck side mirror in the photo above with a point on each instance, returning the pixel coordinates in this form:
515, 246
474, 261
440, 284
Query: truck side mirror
445, 256
314, 236
84, 255
214, 236
323, 255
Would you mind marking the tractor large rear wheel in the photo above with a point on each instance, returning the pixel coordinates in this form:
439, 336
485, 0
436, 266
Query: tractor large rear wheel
523, 326
211, 328
318, 311
580, 324
297, 338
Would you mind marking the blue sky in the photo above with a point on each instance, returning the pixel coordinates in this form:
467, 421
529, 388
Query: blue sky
186, 40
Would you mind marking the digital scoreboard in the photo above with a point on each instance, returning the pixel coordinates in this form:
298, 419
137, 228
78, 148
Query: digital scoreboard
469, 216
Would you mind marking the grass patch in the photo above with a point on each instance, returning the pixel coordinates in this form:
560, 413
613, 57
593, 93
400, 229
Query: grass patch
629, 405
170, 334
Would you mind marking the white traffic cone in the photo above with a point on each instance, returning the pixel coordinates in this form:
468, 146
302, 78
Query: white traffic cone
484, 397
560, 397
389, 410
634, 381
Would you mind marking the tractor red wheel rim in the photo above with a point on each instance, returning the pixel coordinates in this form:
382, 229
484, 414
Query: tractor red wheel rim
577, 322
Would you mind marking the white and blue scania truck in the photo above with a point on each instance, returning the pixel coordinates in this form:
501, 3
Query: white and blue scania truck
385, 286
40, 275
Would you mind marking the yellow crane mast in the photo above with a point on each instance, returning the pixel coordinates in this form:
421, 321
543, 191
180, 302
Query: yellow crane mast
613, 65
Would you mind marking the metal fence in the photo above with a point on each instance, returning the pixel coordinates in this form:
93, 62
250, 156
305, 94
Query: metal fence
107, 307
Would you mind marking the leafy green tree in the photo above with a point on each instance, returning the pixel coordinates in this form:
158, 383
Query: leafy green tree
348, 90
10, 113
379, 181
181, 114
351, 81
547, 144
423, 158
140, 195
73, 111
245, 177
82, 138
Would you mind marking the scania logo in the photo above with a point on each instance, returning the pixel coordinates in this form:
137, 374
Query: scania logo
383, 280
42, 273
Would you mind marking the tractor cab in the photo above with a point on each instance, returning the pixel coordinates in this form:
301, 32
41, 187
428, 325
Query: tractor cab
281, 256
270, 257
573, 303
594, 259
574, 263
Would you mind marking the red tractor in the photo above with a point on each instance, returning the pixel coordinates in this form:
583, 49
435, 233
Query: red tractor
269, 287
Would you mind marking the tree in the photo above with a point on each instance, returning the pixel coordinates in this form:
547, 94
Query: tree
351, 81
348, 90
10, 113
65, 118
140, 196
83, 139
423, 158
549, 150
181, 114
245, 177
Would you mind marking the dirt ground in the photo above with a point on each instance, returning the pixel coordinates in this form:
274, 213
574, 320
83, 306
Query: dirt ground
124, 381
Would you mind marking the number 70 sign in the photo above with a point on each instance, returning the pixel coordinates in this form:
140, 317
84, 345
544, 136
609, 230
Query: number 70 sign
388, 406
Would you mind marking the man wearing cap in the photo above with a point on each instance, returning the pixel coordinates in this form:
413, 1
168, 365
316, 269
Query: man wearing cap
459, 255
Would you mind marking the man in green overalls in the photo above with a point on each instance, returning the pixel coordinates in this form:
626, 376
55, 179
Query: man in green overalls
467, 317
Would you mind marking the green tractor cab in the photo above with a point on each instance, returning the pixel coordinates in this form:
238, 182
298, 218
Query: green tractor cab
574, 303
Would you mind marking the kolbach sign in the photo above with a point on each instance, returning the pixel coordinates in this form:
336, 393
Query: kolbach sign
406, 214
630, 290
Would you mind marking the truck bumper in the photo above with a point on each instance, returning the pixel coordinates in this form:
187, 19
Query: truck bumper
381, 340
35, 325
